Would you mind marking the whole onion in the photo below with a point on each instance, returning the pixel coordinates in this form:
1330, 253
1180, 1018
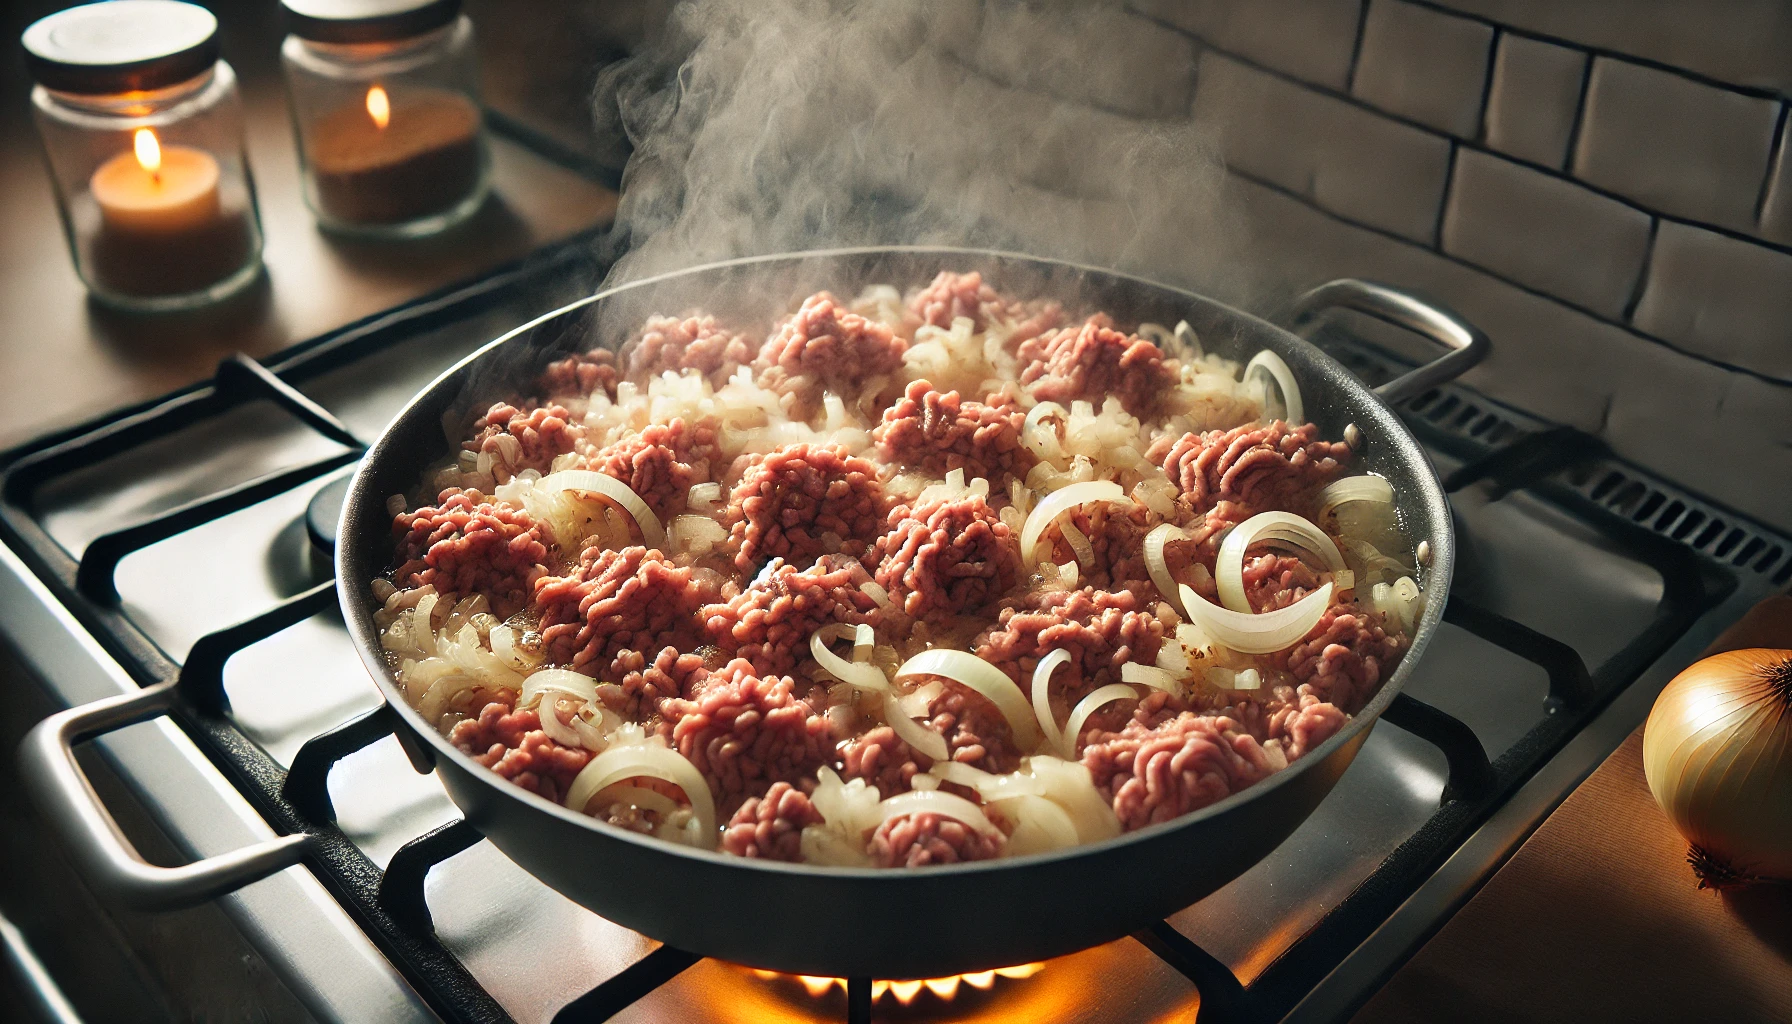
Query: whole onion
1717, 752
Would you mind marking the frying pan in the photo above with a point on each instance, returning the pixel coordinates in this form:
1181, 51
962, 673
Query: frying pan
841, 922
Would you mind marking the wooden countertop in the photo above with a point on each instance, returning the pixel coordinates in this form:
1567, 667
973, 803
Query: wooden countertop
64, 358
1597, 917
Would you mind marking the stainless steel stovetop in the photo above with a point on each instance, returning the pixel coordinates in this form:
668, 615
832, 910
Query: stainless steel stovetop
1585, 584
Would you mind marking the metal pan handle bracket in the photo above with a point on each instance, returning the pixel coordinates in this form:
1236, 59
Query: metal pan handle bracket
107, 859
1466, 343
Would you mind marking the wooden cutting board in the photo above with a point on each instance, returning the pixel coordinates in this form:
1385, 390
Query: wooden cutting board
1597, 917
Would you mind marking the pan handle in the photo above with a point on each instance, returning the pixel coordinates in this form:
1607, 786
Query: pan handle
108, 860
1466, 343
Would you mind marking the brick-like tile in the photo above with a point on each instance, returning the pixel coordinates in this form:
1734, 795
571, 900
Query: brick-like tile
1776, 209
1744, 42
1553, 235
1552, 360
1533, 97
1099, 55
1720, 297
1674, 145
1313, 40
1424, 64
1347, 159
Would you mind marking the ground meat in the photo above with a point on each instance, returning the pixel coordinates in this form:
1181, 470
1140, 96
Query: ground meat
745, 732
645, 684
825, 345
946, 557
541, 433
614, 602
1259, 467
769, 623
937, 432
1117, 536
512, 744
976, 732
580, 376
1345, 655
661, 462
881, 758
789, 501
771, 826
1101, 630
1274, 581
690, 343
1093, 361
465, 545
951, 296
917, 840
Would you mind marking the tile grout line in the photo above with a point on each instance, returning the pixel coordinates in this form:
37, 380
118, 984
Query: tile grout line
1642, 275
1309, 203
1443, 201
1776, 159
1356, 45
1493, 52
1580, 113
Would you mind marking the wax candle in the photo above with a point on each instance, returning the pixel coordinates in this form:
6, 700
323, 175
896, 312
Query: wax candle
163, 228
381, 160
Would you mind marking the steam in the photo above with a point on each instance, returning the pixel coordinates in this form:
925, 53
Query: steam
761, 127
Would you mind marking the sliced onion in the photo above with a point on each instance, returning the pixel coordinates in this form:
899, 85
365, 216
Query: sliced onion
1067, 575
988, 680
945, 805
1159, 567
988, 785
1355, 488
1270, 364
557, 680
1070, 786
694, 533
1059, 502
1188, 337
1258, 634
1233, 679
1150, 675
556, 730
637, 796
913, 733
1039, 825
1277, 527
615, 490
1078, 541
856, 673
876, 593
704, 497
434, 702
1157, 334
637, 760
1039, 439
1042, 705
1073, 728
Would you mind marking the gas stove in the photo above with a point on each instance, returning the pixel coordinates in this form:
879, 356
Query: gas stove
186, 540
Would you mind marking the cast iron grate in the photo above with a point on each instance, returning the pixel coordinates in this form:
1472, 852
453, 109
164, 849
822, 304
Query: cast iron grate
1497, 445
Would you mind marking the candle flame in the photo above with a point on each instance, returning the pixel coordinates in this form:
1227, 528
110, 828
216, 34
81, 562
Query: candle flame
149, 151
379, 106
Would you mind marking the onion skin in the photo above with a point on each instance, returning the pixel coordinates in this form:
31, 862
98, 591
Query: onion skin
1717, 752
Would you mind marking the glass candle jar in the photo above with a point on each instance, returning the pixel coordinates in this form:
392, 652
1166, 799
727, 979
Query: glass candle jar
142, 128
385, 103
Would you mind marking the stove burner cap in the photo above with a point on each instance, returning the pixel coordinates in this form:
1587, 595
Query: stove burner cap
323, 512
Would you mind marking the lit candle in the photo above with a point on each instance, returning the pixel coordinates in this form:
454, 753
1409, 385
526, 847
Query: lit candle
164, 228
156, 189
383, 161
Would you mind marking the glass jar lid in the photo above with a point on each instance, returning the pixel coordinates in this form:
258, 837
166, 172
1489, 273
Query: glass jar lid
367, 21
121, 46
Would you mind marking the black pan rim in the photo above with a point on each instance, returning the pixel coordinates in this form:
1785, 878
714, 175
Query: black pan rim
356, 602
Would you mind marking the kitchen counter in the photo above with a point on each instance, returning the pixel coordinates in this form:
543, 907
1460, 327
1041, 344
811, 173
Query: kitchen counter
1598, 917
64, 358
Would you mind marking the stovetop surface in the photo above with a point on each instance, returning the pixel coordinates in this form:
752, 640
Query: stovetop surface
1544, 554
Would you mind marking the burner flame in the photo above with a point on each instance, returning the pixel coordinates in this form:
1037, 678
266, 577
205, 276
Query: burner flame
906, 991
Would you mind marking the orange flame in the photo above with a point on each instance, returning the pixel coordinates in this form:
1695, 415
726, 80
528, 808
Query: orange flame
379, 107
149, 151
906, 991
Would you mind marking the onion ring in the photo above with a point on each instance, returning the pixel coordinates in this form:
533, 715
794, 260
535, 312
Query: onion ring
1258, 634
1273, 527
1269, 364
